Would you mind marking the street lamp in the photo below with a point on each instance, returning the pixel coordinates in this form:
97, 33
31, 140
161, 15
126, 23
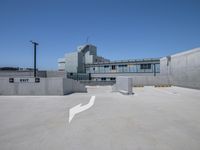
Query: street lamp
35, 45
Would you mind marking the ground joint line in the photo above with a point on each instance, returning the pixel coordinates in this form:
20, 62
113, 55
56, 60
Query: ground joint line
78, 108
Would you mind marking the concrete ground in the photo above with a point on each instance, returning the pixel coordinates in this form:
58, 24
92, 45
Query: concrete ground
152, 119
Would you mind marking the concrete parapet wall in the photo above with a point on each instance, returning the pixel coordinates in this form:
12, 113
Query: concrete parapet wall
46, 86
183, 68
150, 80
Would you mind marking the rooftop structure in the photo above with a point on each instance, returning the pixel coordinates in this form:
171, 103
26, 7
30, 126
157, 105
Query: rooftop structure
75, 62
85, 60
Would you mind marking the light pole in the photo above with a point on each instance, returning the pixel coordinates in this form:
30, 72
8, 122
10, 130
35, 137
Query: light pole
35, 46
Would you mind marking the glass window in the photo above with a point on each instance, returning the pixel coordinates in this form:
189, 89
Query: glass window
113, 67
145, 66
103, 79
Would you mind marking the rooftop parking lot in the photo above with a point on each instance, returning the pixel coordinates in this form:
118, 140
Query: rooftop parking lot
151, 119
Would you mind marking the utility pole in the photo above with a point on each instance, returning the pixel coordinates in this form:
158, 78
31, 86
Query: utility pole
35, 46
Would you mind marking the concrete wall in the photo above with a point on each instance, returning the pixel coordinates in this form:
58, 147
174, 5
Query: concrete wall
123, 85
47, 86
150, 80
183, 69
71, 86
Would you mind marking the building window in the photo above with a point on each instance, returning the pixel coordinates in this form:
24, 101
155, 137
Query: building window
122, 68
103, 79
93, 69
122, 65
145, 66
106, 66
113, 67
112, 79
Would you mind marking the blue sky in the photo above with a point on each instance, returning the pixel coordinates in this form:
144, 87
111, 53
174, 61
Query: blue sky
121, 29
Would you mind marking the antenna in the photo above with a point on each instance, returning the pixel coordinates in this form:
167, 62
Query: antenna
87, 39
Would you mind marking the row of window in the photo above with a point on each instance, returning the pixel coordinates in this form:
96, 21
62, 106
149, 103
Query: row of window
124, 68
106, 79
142, 66
145, 66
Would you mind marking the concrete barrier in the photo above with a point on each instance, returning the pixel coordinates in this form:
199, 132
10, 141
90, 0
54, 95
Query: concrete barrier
46, 86
123, 85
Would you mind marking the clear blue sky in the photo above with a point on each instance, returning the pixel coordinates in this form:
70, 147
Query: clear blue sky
121, 29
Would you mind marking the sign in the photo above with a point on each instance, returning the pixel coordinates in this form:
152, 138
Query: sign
11, 80
24, 80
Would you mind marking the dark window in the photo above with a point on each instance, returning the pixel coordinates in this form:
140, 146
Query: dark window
103, 79
106, 66
122, 65
145, 66
93, 68
112, 79
113, 67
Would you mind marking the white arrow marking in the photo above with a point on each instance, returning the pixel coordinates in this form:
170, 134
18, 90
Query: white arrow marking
78, 108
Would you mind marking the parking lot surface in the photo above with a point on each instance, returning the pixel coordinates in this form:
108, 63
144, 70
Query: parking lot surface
151, 119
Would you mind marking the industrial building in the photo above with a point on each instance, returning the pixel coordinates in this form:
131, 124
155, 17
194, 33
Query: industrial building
84, 61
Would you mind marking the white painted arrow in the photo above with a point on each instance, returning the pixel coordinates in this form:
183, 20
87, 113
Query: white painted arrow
78, 108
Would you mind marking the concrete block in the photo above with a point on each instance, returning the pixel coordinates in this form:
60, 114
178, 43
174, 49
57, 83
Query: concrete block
123, 85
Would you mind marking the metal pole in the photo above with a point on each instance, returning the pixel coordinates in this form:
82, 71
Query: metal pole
35, 47
34, 59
